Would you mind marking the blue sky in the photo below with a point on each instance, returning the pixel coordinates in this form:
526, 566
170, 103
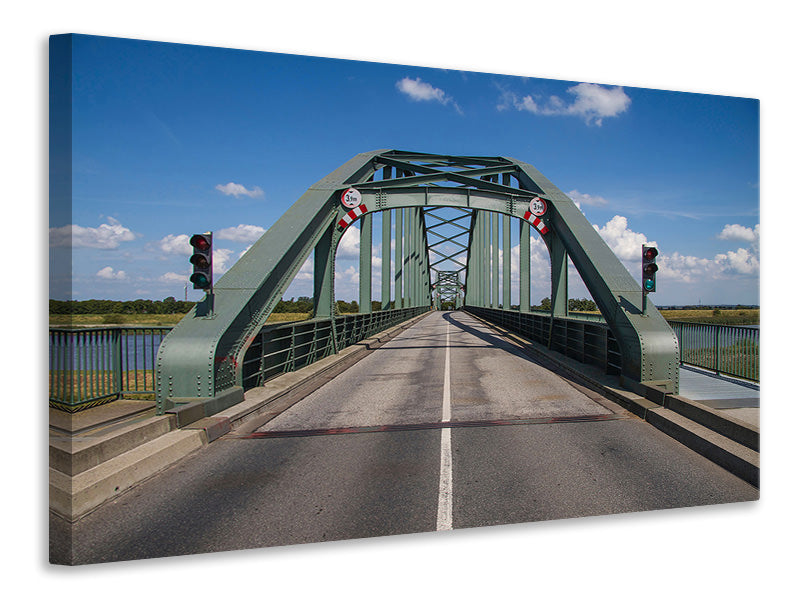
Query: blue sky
173, 139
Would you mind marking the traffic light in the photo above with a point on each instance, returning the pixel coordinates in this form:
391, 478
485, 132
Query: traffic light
649, 268
202, 260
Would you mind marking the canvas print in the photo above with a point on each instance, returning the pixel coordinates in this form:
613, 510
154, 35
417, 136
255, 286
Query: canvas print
297, 300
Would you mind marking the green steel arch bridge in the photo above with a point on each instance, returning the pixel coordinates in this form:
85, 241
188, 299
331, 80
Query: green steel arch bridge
446, 212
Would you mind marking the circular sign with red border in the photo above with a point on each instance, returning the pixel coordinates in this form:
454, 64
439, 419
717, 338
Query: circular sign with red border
538, 206
351, 198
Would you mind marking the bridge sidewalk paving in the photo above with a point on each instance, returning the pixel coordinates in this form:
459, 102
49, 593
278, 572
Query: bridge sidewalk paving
733, 397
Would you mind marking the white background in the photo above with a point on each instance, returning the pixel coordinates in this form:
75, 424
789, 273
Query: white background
729, 48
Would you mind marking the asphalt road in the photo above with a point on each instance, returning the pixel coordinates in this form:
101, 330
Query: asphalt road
449, 425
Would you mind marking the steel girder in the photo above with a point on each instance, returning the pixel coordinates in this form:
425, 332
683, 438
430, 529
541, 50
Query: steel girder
201, 359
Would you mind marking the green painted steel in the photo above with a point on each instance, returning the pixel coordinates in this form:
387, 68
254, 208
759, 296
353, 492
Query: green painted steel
495, 221
506, 262
285, 347
586, 340
398, 258
203, 356
365, 265
386, 260
525, 266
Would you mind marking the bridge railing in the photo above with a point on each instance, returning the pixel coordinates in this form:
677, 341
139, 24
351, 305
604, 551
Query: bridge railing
94, 365
284, 347
581, 337
726, 349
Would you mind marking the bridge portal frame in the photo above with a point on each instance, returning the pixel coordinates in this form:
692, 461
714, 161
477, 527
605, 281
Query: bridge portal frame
201, 359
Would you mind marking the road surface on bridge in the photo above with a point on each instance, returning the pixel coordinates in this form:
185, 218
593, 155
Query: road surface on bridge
449, 425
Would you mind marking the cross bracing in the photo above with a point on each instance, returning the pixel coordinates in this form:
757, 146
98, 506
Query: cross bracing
449, 216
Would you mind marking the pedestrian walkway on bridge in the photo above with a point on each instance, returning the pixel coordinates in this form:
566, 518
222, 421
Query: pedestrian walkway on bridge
733, 397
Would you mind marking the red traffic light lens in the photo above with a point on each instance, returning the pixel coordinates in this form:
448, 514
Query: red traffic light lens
200, 242
650, 253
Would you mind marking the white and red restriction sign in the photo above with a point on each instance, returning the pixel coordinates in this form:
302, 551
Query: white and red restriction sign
538, 207
351, 198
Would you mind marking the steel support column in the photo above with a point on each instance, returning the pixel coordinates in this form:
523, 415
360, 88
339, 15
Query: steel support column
524, 266
324, 259
407, 259
559, 298
365, 265
495, 220
506, 262
386, 260
398, 257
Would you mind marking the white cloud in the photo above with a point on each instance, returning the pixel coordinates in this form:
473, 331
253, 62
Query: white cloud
306, 272
592, 102
237, 189
421, 91
579, 198
626, 244
175, 244
109, 273
740, 262
174, 278
221, 258
241, 233
349, 244
349, 275
740, 232
107, 236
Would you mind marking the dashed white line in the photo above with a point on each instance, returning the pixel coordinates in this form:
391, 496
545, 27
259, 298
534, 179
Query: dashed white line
444, 519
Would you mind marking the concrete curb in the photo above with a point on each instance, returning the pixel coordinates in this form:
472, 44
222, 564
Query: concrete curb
74, 497
726, 441
85, 474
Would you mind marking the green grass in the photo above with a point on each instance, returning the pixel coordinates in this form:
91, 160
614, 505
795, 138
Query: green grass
146, 320
747, 316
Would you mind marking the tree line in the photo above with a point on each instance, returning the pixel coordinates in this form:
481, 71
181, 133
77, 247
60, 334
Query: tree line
167, 306
170, 305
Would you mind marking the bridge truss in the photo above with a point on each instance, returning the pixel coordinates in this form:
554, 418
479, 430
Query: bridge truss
445, 213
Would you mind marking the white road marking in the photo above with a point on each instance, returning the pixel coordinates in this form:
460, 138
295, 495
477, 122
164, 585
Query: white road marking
444, 519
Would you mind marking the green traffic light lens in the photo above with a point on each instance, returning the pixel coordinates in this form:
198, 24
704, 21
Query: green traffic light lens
199, 280
649, 285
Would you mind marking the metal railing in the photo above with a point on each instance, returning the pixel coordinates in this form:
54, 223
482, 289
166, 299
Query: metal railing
94, 365
726, 349
284, 347
582, 337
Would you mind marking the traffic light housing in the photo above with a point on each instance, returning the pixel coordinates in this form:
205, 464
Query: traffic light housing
201, 260
649, 268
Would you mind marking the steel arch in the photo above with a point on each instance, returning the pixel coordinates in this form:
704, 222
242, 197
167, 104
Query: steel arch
200, 360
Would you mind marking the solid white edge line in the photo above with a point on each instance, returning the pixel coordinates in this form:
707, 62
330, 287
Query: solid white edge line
444, 519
